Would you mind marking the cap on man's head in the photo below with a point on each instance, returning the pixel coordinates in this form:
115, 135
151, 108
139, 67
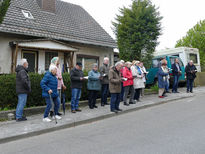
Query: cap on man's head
79, 64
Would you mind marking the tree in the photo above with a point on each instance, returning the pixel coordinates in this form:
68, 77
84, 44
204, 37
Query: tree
137, 29
3, 9
195, 38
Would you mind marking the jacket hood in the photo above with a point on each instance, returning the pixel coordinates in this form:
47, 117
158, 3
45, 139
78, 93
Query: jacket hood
19, 68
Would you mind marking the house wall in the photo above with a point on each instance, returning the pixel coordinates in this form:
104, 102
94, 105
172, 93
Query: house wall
98, 51
6, 53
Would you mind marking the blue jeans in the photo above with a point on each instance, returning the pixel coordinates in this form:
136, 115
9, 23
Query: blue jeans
115, 101
176, 82
167, 86
76, 94
104, 93
190, 84
49, 106
22, 98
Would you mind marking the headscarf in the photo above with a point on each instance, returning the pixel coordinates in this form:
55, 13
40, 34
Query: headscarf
54, 60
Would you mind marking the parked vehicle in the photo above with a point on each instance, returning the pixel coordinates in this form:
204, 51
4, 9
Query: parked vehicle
152, 75
186, 54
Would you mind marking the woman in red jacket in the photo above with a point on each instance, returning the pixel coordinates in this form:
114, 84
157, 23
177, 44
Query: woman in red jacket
128, 83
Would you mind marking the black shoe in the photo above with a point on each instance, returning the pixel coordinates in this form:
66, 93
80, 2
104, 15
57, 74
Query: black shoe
131, 103
126, 104
78, 110
177, 92
191, 91
95, 106
168, 92
51, 114
59, 114
21, 119
107, 103
115, 111
91, 107
119, 110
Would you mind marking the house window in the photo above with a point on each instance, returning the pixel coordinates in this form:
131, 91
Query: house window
193, 57
87, 61
27, 14
48, 57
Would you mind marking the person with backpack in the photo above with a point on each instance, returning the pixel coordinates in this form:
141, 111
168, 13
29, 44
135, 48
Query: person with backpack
191, 75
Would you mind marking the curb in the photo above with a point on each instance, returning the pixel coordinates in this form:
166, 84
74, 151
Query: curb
41, 109
87, 121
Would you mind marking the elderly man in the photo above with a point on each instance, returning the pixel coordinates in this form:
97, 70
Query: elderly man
104, 72
176, 70
115, 86
23, 87
77, 77
191, 75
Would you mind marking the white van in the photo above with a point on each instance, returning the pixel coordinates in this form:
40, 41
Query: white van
186, 54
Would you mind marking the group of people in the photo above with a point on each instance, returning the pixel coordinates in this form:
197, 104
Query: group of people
164, 76
119, 80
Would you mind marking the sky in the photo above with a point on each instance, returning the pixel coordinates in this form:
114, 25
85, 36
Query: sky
178, 16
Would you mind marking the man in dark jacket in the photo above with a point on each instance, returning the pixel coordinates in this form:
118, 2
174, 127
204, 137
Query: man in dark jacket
77, 77
104, 72
191, 75
23, 87
176, 70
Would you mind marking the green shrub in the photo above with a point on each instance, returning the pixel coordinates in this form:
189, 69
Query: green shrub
8, 96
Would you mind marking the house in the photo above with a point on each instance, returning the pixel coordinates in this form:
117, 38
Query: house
41, 29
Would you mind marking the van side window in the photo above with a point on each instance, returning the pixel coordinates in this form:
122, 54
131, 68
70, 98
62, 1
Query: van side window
155, 63
172, 59
193, 57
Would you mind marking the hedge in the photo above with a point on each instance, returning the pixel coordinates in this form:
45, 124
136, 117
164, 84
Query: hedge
8, 96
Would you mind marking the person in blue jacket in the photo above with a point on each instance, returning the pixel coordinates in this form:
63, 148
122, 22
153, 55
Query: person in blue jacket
49, 85
94, 86
162, 78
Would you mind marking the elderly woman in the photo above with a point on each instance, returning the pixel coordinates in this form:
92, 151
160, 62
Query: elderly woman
128, 83
49, 85
138, 79
56, 62
93, 85
162, 78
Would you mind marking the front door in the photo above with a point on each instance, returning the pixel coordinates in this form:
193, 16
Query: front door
32, 60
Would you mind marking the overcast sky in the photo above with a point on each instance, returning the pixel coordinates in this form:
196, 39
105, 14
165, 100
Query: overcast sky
178, 16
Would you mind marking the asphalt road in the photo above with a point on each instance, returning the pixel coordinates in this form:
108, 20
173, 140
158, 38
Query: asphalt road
172, 128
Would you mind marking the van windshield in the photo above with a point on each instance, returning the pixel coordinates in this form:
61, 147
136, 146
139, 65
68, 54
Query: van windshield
172, 59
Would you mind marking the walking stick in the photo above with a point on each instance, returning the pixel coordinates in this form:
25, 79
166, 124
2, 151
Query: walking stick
51, 99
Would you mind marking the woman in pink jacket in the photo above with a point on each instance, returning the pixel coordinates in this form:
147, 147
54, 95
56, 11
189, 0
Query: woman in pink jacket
128, 83
55, 61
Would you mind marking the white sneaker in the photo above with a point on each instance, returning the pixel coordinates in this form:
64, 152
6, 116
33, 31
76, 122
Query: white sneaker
57, 117
46, 119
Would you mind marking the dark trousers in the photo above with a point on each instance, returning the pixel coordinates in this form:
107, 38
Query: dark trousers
176, 82
122, 92
190, 84
104, 93
137, 94
92, 98
115, 101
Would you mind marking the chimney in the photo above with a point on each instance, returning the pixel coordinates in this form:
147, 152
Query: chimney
47, 5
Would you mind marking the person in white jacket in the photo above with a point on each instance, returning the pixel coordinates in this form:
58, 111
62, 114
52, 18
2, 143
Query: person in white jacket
138, 79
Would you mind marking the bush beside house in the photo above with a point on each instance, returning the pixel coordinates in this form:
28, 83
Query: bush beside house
8, 96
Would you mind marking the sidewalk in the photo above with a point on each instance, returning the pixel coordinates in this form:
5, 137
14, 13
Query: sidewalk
13, 130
